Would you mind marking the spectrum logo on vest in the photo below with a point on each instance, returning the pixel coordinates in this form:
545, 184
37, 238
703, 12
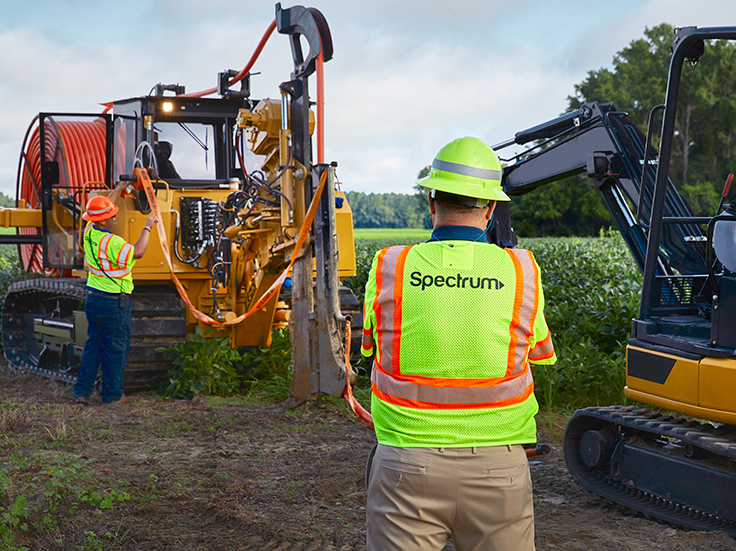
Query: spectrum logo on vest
425, 281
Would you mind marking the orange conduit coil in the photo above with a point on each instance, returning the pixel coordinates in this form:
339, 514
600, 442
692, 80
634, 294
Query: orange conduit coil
79, 148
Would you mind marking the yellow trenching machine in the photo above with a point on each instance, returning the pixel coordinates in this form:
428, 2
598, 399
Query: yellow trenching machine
253, 235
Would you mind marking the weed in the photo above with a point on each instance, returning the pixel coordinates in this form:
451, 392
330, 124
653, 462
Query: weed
291, 490
202, 365
12, 417
268, 370
110, 540
39, 491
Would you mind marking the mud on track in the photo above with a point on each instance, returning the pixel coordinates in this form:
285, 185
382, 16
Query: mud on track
215, 474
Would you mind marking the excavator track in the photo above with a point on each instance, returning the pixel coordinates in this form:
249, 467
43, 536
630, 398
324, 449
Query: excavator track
58, 304
670, 469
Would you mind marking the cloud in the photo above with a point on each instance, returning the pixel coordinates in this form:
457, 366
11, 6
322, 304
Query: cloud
406, 78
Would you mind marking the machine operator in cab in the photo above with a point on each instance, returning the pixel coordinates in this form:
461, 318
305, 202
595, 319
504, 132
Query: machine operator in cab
454, 323
108, 308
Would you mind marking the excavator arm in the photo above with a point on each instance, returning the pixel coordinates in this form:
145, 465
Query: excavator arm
599, 141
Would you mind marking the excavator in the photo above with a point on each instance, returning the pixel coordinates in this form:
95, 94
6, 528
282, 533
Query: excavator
676, 462
254, 233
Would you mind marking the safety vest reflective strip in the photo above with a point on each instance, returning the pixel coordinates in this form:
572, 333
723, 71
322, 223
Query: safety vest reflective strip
100, 264
543, 350
389, 289
526, 304
389, 385
367, 342
440, 393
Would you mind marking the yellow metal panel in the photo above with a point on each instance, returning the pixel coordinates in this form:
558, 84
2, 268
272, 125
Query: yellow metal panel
346, 239
21, 218
683, 409
718, 384
681, 385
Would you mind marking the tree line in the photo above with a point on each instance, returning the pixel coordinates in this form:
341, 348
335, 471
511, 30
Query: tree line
384, 210
703, 155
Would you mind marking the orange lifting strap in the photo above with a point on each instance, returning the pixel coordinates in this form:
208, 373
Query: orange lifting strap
145, 182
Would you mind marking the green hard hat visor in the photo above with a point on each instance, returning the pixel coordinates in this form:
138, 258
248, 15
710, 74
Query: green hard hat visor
465, 180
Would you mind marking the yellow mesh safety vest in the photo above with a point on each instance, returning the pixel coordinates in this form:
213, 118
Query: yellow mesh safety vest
110, 261
454, 325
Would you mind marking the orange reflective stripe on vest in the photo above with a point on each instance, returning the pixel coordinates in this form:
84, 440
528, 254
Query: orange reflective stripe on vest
100, 264
389, 285
543, 350
526, 303
439, 393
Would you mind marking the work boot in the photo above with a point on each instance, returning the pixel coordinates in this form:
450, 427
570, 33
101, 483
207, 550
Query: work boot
82, 400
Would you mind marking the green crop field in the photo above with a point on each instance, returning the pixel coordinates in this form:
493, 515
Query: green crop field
8, 252
389, 234
592, 289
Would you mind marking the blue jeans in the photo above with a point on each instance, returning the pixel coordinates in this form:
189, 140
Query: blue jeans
108, 344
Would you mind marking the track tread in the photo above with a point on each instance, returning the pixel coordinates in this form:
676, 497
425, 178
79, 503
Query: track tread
158, 321
720, 440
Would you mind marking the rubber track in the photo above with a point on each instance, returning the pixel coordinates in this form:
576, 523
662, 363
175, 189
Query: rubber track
21, 299
158, 321
718, 440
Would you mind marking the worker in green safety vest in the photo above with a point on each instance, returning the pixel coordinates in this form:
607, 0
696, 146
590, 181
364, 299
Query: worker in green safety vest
454, 324
109, 312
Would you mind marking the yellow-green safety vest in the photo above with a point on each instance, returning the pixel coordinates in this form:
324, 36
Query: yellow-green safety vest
454, 325
110, 261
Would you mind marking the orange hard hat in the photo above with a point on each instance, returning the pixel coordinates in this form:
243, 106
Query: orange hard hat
99, 208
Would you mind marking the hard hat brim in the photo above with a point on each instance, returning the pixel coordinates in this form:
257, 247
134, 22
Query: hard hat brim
436, 181
98, 218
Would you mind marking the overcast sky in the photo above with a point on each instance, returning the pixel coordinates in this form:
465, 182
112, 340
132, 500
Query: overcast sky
407, 75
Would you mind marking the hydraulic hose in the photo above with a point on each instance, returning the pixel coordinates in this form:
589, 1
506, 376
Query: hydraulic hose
320, 107
241, 75
320, 88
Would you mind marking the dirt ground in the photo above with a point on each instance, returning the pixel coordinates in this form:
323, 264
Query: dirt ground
220, 474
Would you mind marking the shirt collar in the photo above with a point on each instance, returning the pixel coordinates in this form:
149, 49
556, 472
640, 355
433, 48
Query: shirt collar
99, 229
458, 233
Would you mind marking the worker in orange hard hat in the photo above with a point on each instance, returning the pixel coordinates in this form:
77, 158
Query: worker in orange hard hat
108, 308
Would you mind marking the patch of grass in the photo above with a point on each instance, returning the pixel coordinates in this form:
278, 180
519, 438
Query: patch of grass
39, 492
12, 416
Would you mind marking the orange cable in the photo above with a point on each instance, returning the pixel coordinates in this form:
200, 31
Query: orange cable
145, 182
347, 393
320, 106
241, 75
81, 146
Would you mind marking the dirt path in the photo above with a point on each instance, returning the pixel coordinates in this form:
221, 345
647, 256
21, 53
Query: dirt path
218, 474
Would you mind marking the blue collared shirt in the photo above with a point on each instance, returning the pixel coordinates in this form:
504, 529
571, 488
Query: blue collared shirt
458, 233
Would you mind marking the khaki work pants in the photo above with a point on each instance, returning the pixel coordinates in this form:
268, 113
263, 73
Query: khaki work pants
482, 497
